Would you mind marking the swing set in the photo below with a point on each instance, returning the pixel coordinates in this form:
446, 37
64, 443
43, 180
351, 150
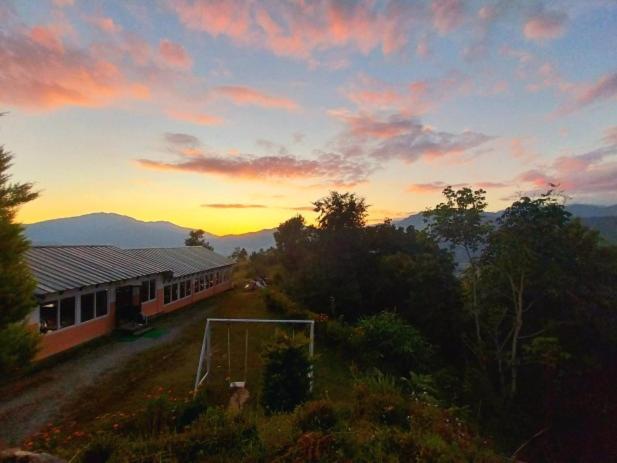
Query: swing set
205, 355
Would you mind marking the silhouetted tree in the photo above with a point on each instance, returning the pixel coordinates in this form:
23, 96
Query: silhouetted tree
18, 343
196, 238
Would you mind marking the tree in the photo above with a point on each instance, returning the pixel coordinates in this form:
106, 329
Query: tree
239, 254
292, 239
459, 221
196, 238
524, 263
18, 344
341, 210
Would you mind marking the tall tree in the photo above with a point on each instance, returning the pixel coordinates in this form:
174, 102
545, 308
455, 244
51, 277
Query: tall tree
17, 343
341, 210
196, 238
460, 221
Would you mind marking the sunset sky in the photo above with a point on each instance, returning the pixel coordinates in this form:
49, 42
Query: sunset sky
233, 116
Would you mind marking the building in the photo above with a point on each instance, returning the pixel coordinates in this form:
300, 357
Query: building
84, 292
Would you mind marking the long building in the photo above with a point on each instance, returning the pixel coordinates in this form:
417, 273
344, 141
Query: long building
84, 292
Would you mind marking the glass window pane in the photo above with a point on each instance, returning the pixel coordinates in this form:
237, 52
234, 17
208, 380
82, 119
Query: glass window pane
67, 311
167, 294
174, 291
152, 289
87, 307
182, 290
101, 303
188, 287
144, 291
48, 316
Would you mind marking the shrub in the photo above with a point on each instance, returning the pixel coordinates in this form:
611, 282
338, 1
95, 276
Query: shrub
379, 399
158, 417
190, 411
286, 382
318, 415
279, 303
384, 340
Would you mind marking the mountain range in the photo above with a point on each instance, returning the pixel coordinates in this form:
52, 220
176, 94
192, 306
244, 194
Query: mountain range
127, 232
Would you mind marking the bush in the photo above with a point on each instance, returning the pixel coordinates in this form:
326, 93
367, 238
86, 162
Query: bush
318, 415
19, 345
286, 382
379, 399
279, 303
158, 417
188, 412
385, 341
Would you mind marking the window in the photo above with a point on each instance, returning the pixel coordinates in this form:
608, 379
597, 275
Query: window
101, 303
48, 316
197, 285
182, 289
210, 280
174, 291
188, 287
167, 294
87, 307
148, 290
67, 312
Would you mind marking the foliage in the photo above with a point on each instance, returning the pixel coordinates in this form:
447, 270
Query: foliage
317, 415
239, 254
196, 238
17, 343
286, 381
387, 342
279, 303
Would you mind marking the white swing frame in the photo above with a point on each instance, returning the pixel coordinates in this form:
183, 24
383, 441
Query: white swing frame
206, 348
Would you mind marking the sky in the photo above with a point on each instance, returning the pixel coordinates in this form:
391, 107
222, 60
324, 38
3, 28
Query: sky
233, 116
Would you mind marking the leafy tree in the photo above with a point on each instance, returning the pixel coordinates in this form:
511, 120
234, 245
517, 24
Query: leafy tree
459, 221
292, 239
239, 254
525, 260
196, 238
286, 381
17, 343
341, 210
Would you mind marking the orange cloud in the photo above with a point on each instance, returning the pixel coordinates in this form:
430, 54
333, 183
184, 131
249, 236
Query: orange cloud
38, 76
545, 25
437, 187
249, 96
195, 118
174, 54
234, 206
47, 38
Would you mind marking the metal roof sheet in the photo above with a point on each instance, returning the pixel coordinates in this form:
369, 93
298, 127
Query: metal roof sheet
183, 261
59, 268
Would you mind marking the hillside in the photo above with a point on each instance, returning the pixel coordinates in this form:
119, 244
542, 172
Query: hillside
127, 232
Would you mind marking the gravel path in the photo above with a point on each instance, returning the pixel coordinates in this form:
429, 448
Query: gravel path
26, 408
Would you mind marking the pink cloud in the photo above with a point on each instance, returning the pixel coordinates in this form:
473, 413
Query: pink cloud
106, 24
330, 167
38, 74
248, 96
447, 14
401, 137
545, 25
589, 173
302, 29
174, 54
603, 90
46, 37
610, 135
412, 98
195, 118
520, 150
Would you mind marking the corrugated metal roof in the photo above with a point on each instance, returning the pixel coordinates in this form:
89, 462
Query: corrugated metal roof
183, 261
59, 268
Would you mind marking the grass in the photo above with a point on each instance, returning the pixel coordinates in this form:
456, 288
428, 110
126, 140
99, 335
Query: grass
169, 368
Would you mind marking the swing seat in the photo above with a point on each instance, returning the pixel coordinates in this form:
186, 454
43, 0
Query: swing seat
237, 384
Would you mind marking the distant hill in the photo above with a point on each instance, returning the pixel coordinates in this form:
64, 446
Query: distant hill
601, 218
127, 232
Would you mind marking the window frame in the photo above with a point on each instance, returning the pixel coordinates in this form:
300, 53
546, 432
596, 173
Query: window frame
77, 296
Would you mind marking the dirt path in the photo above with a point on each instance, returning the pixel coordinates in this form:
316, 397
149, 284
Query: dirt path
27, 407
